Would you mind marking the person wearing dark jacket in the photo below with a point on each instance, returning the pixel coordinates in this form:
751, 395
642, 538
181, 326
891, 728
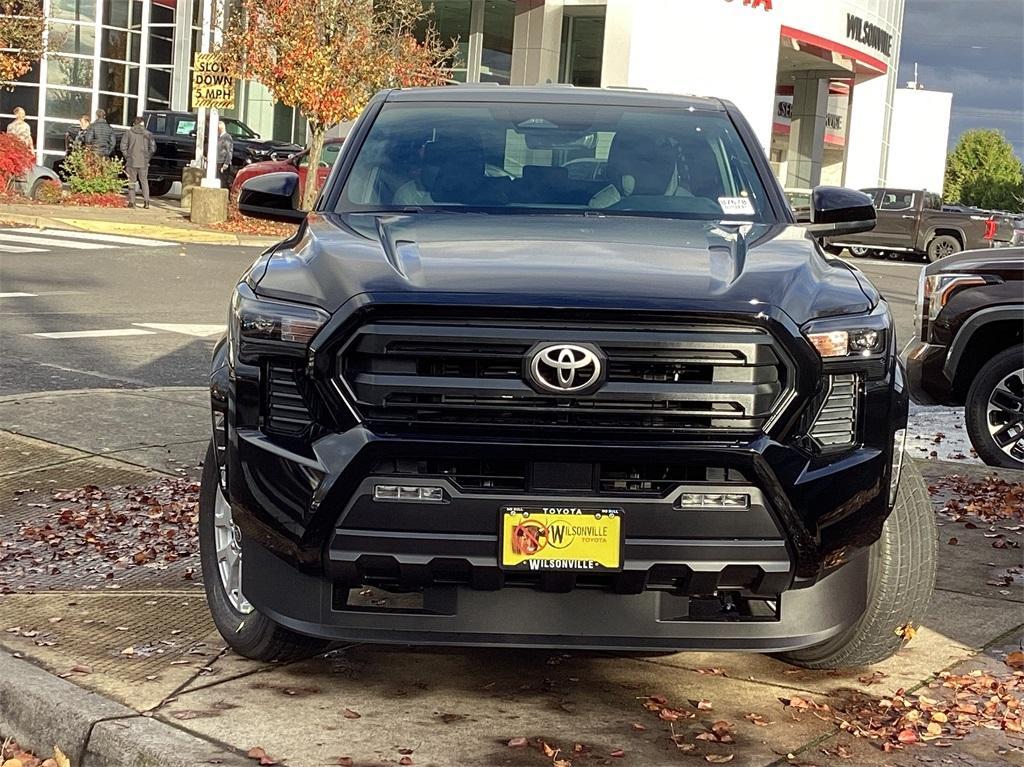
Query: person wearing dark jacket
225, 151
137, 147
99, 135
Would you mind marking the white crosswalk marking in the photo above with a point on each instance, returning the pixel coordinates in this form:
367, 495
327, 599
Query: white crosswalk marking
113, 239
5, 238
18, 295
20, 249
198, 330
112, 333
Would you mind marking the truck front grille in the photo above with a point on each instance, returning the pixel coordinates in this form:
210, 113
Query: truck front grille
693, 380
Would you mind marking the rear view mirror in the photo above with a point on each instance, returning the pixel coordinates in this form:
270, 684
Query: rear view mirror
836, 210
272, 197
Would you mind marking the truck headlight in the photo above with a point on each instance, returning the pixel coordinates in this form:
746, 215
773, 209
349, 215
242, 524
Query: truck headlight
261, 326
937, 289
851, 337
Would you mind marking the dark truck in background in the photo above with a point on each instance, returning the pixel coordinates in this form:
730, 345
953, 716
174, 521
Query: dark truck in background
175, 134
912, 221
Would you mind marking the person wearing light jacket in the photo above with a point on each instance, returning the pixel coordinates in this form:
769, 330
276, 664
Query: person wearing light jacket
225, 151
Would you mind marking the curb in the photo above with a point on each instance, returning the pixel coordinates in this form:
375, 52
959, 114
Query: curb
172, 233
41, 711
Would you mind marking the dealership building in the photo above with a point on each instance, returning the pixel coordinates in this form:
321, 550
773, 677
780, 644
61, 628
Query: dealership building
816, 78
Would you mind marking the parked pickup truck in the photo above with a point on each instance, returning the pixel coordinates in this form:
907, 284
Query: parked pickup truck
912, 221
175, 134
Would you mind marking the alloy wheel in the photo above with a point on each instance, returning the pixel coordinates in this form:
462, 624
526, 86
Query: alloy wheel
944, 249
1005, 415
228, 540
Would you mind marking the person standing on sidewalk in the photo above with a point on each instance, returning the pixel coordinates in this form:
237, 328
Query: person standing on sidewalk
225, 151
137, 147
20, 129
99, 135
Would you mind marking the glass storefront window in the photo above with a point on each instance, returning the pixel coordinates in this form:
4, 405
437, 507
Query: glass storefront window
496, 56
115, 108
113, 77
452, 22
116, 13
80, 10
65, 70
67, 104
115, 45
582, 50
72, 38
159, 86
22, 96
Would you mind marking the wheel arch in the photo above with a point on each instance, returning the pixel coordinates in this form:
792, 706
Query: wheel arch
981, 337
937, 231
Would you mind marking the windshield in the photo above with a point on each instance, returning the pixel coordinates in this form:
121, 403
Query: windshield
565, 157
237, 128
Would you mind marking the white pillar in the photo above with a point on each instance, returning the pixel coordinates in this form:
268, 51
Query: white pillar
94, 103
41, 106
211, 180
142, 92
204, 47
807, 130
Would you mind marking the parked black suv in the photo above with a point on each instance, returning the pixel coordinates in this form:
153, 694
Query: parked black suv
635, 409
969, 347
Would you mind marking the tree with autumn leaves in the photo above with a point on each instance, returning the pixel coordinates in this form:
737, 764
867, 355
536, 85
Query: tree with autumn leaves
22, 42
326, 58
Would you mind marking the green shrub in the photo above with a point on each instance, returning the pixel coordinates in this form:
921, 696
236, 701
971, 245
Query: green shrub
88, 173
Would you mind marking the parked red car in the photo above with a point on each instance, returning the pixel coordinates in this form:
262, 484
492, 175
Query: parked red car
298, 164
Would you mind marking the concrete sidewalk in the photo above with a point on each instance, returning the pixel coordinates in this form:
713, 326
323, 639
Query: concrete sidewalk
148, 666
163, 221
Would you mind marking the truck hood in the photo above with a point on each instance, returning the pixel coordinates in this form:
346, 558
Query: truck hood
608, 262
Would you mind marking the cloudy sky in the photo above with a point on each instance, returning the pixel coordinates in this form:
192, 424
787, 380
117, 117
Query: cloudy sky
974, 48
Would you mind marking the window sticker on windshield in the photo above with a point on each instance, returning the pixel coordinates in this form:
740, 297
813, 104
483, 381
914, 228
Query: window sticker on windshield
740, 206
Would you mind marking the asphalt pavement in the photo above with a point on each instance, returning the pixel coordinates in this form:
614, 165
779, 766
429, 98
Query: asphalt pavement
83, 310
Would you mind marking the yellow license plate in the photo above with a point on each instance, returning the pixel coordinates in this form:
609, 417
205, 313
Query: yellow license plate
561, 538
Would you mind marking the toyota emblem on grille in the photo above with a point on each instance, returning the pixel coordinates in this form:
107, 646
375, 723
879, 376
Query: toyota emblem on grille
564, 368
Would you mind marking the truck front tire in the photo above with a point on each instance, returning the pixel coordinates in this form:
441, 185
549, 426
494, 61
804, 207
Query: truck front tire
901, 575
247, 632
995, 406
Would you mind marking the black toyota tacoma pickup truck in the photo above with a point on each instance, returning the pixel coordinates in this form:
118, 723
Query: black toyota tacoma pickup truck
639, 410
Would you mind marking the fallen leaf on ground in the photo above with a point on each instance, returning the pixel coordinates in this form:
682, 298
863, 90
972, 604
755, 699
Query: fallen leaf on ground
906, 632
260, 755
350, 714
617, 753
344, 761
757, 719
518, 743
718, 758
1015, 659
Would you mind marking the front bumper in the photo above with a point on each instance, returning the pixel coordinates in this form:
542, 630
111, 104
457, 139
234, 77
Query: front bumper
520, 617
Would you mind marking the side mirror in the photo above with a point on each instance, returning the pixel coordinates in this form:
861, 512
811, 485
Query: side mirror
271, 197
836, 210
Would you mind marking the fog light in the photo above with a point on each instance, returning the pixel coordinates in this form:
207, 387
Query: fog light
385, 492
415, 493
713, 501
